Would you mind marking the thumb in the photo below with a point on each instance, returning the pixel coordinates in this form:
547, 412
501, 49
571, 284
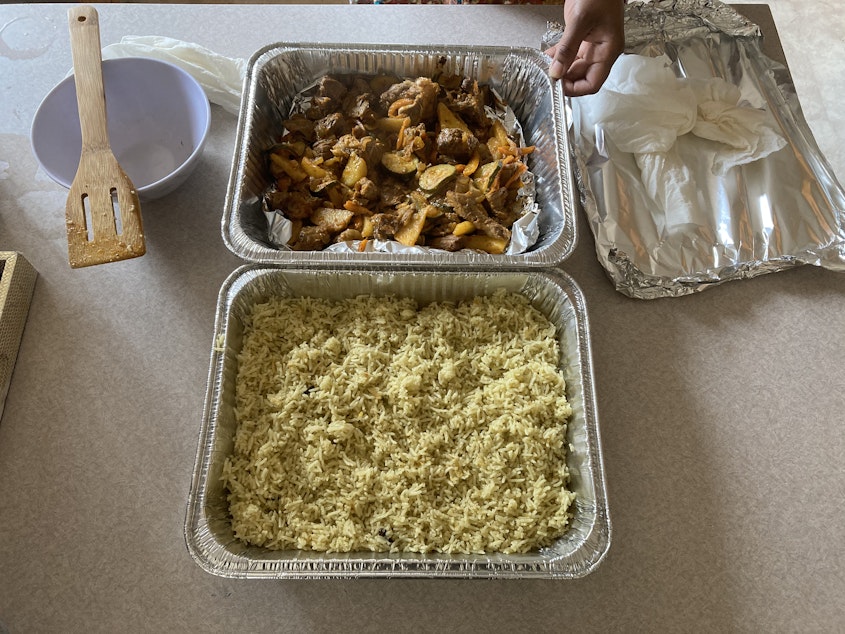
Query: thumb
566, 50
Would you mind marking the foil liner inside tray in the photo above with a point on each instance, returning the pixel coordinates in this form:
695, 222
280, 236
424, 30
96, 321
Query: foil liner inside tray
278, 74
774, 213
208, 530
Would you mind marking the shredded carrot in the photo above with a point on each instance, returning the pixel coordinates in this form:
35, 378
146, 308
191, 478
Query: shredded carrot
520, 168
460, 169
496, 184
396, 105
506, 150
528, 150
351, 205
400, 141
362, 246
470, 168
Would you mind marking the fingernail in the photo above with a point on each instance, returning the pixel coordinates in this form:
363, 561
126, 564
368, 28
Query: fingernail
556, 70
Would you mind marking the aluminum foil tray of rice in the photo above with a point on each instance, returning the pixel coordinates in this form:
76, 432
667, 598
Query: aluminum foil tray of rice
362, 155
413, 423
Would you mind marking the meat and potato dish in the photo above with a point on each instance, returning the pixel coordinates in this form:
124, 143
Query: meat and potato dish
418, 161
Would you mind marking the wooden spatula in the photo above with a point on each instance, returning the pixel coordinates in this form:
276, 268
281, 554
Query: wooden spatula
103, 211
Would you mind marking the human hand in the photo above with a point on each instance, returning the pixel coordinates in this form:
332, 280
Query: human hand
593, 37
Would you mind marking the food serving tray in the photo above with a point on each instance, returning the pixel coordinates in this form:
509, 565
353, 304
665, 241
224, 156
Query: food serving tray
277, 74
209, 533
782, 210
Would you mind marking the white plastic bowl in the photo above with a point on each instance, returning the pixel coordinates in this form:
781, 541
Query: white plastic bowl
158, 119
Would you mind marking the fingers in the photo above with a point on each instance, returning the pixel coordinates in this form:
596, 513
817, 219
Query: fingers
581, 76
585, 78
566, 50
594, 36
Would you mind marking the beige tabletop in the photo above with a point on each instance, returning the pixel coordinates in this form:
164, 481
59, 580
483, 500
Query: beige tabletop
721, 413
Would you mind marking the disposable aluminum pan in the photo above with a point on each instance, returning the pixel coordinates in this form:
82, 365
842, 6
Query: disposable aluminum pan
208, 528
769, 215
278, 73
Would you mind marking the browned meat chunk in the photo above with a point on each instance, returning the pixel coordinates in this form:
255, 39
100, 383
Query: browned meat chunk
367, 189
415, 139
385, 226
296, 205
371, 149
443, 226
449, 242
275, 199
311, 238
501, 203
456, 144
469, 101
468, 207
417, 99
331, 88
367, 147
335, 124
323, 147
404, 213
300, 124
393, 192
360, 109
320, 107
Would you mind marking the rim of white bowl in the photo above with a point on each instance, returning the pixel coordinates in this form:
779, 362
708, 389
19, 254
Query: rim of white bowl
206, 112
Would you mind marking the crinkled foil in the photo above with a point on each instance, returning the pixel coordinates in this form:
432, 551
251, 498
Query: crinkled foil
781, 211
208, 529
278, 74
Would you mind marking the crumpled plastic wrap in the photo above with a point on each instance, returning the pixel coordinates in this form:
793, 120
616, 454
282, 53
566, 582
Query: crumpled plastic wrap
221, 77
706, 175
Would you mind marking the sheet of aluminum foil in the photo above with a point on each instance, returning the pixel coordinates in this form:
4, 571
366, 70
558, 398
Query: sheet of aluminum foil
782, 210
208, 529
276, 77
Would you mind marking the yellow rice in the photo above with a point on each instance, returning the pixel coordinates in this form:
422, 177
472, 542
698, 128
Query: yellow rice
374, 424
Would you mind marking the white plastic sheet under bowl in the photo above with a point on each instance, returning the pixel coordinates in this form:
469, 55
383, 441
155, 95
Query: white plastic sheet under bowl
158, 120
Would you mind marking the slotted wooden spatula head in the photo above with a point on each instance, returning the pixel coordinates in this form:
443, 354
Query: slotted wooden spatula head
103, 210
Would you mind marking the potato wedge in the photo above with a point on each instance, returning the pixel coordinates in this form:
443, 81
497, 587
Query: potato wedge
355, 170
310, 167
463, 228
486, 243
289, 167
448, 119
410, 231
500, 134
391, 124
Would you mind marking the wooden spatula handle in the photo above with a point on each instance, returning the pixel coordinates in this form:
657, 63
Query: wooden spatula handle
84, 24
